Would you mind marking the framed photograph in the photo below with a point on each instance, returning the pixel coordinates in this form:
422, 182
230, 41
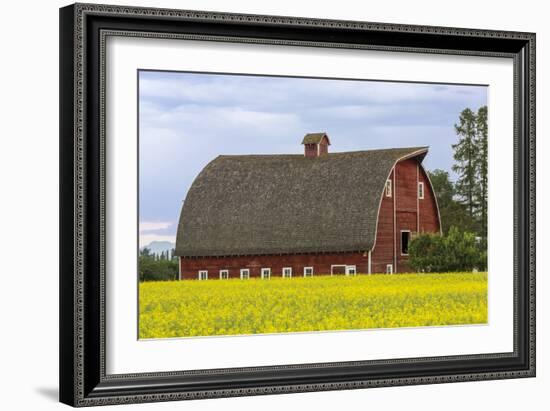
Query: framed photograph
262, 204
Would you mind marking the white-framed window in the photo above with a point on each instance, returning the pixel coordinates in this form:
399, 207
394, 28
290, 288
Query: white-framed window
203, 274
287, 272
388, 188
308, 271
224, 274
389, 268
351, 270
245, 273
405, 239
266, 273
421, 191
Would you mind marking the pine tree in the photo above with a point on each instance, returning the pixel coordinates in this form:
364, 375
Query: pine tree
452, 213
443, 187
481, 165
465, 155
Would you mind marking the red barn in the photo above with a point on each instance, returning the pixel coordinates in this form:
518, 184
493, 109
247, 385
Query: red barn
305, 215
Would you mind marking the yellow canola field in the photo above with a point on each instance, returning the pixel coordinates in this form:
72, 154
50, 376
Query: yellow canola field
229, 307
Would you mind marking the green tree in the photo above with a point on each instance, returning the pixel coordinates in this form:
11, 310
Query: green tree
157, 270
452, 212
456, 215
465, 155
462, 251
443, 187
145, 252
481, 166
426, 253
457, 251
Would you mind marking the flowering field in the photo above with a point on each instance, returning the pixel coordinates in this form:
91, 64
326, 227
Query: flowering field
255, 306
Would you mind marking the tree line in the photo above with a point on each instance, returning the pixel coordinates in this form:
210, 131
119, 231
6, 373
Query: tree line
157, 267
462, 204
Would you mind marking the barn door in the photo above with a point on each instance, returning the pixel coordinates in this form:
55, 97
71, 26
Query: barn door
338, 270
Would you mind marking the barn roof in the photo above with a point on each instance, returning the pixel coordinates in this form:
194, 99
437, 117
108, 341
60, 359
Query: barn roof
315, 138
284, 204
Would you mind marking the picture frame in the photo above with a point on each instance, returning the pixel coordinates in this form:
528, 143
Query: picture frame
84, 29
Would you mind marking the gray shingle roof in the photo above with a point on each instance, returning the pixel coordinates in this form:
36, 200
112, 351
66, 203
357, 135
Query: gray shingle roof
315, 138
284, 204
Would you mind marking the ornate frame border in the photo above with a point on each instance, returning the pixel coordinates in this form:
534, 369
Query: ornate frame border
83, 34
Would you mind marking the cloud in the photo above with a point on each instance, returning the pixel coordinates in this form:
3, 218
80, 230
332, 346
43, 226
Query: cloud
145, 226
156, 231
146, 239
283, 93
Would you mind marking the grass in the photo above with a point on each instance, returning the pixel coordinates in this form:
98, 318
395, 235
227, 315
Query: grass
255, 306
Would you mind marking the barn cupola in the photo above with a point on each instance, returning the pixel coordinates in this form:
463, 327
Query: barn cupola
315, 144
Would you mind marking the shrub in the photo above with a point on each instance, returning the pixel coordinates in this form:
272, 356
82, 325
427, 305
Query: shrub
457, 251
482, 261
426, 253
157, 270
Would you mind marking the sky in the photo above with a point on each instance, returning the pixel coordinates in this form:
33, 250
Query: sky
187, 119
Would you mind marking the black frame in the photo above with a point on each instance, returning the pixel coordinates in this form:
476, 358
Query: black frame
83, 29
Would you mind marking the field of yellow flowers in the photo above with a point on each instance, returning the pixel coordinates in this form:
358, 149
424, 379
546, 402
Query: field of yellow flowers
256, 306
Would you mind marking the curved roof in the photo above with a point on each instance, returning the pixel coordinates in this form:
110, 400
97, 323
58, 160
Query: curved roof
285, 204
315, 138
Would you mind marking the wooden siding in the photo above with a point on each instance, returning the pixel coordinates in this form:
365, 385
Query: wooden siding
321, 264
428, 212
411, 214
406, 213
323, 146
382, 254
311, 150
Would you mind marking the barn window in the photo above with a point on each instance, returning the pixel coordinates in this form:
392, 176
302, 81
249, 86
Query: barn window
266, 273
405, 237
203, 275
308, 271
388, 188
224, 274
389, 269
245, 273
421, 191
351, 270
287, 272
